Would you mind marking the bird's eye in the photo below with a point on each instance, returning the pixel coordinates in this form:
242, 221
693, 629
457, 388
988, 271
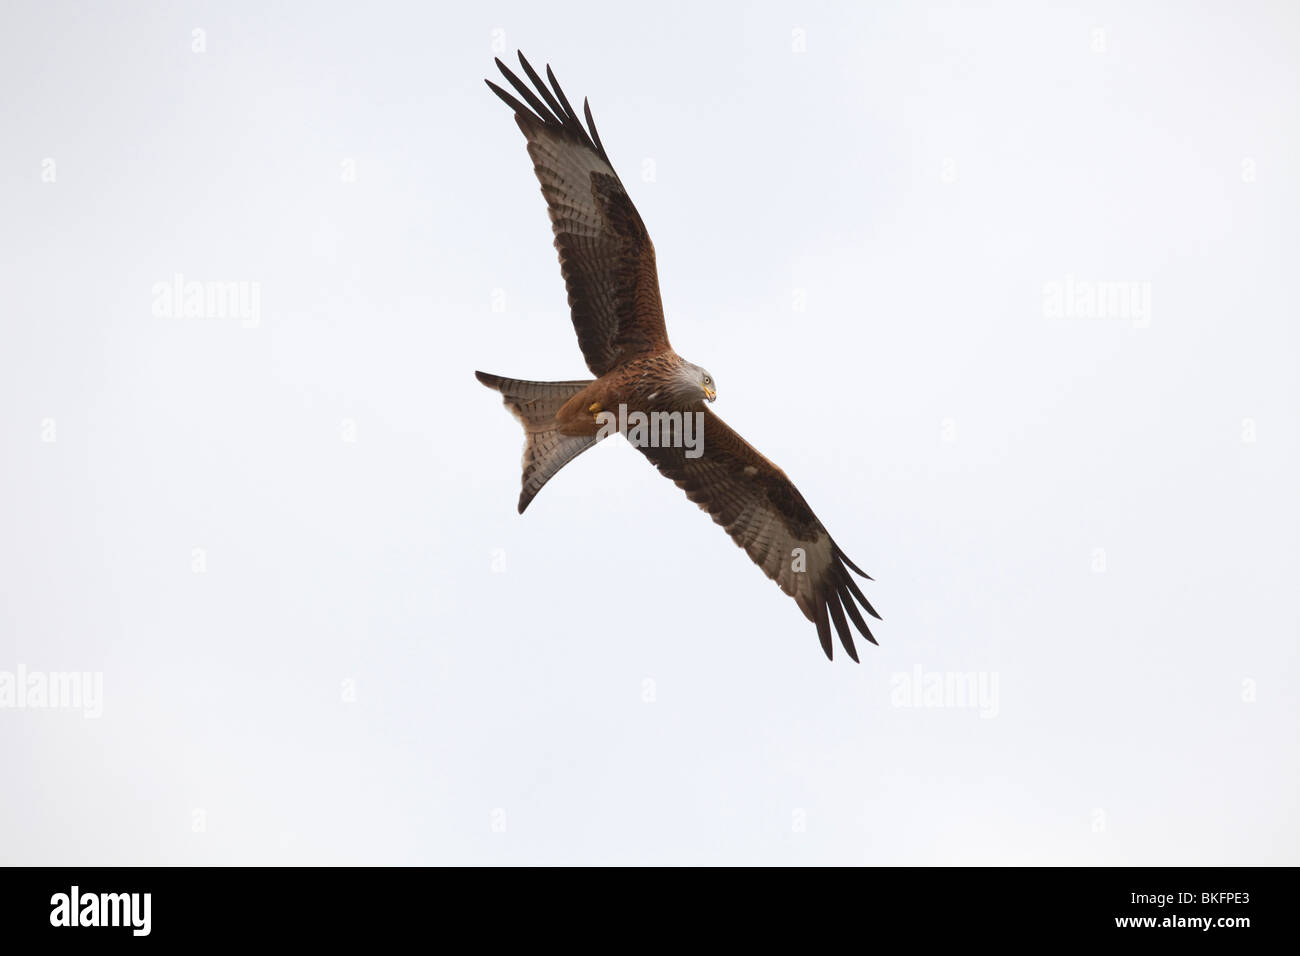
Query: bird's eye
707, 380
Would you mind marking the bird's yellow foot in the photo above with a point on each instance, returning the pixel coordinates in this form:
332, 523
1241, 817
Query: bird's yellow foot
595, 408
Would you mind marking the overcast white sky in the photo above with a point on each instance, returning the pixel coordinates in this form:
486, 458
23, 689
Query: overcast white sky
288, 545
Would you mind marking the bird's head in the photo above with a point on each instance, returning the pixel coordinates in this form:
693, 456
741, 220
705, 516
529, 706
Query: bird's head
695, 384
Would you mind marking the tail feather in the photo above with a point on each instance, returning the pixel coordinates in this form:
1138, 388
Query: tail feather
535, 404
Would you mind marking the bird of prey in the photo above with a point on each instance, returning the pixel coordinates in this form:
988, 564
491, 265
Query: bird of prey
608, 264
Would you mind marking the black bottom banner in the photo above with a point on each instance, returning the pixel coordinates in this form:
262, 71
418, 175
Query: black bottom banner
210, 906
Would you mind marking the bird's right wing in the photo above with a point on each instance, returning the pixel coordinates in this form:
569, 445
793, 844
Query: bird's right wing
606, 256
766, 515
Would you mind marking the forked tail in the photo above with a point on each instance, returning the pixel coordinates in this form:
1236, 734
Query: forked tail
546, 451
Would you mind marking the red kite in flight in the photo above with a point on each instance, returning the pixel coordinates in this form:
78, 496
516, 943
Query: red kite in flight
608, 263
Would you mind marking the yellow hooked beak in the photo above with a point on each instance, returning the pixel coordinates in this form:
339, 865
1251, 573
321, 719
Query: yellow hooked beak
709, 393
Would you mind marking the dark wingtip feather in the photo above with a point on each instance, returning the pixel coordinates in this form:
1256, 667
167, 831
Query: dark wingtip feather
824, 631
591, 125
509, 100
845, 558
805, 605
564, 100
841, 625
541, 88
856, 615
857, 593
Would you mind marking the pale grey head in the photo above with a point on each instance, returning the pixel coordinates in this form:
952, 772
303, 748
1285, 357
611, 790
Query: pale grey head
693, 384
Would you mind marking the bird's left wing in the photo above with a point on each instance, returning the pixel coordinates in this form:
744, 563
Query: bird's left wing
766, 515
606, 255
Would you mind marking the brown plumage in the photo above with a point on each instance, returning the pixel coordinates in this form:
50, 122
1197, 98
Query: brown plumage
608, 264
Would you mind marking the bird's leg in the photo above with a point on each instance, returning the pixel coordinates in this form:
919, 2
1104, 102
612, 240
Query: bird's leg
595, 408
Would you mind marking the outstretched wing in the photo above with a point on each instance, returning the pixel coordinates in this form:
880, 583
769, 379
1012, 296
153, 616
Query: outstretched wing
764, 513
606, 255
